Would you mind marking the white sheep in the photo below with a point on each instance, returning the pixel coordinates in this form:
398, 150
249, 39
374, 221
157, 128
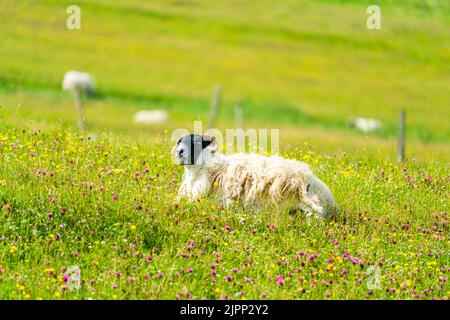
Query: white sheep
365, 124
151, 117
249, 178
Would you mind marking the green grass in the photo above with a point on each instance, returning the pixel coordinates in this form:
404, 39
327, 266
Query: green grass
389, 216
305, 67
314, 60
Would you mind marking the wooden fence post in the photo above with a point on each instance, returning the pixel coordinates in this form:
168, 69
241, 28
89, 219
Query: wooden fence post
401, 137
79, 108
239, 114
215, 105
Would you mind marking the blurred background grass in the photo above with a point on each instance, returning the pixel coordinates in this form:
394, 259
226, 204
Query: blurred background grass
305, 67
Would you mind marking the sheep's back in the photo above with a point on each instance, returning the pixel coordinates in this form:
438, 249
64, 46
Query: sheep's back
251, 177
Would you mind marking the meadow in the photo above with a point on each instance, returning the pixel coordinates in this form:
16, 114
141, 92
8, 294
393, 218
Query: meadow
109, 210
106, 207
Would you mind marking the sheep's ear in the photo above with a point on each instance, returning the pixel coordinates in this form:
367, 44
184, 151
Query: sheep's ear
208, 138
210, 141
213, 145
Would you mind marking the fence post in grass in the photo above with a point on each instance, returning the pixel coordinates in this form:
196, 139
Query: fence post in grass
79, 108
215, 105
401, 137
239, 114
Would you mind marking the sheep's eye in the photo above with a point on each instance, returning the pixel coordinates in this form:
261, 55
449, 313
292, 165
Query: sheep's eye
179, 141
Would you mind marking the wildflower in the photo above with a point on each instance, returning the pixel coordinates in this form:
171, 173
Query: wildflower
148, 258
313, 256
50, 214
51, 200
213, 272
133, 227
327, 294
12, 249
63, 211
115, 196
235, 270
443, 279
227, 228
279, 280
50, 271
247, 279
57, 236
189, 270
159, 275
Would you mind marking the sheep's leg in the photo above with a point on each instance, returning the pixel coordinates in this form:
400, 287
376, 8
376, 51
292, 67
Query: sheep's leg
182, 192
311, 207
200, 188
227, 199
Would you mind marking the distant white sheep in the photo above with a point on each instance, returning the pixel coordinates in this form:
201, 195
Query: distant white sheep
365, 124
151, 117
78, 83
76, 80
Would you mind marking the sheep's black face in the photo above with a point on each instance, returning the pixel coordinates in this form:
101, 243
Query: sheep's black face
190, 148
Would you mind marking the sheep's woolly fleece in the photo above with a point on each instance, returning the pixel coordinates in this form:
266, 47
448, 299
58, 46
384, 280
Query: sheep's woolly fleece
255, 179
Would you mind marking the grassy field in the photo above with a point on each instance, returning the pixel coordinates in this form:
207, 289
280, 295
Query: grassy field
109, 210
305, 67
312, 63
